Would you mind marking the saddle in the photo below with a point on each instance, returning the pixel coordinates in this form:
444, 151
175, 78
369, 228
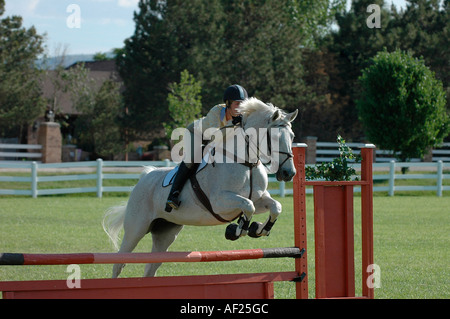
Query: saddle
170, 176
168, 180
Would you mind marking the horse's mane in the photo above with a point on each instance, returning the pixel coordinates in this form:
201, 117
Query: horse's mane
266, 110
254, 105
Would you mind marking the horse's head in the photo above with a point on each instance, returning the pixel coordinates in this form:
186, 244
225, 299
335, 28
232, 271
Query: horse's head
280, 126
275, 124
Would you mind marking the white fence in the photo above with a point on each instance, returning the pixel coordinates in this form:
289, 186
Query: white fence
11, 152
394, 175
107, 170
98, 174
327, 151
439, 177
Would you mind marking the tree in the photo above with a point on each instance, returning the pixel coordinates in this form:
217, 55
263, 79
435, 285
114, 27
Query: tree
21, 99
314, 18
97, 129
350, 48
262, 52
103, 130
100, 56
184, 102
257, 44
423, 30
402, 105
168, 38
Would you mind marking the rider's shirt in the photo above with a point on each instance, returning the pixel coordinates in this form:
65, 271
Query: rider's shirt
216, 118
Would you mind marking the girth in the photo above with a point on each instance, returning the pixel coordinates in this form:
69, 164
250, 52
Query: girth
204, 199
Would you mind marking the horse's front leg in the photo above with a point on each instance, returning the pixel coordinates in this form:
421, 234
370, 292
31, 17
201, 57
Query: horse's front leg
237, 203
262, 205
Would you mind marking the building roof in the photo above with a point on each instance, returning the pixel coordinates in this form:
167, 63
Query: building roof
106, 65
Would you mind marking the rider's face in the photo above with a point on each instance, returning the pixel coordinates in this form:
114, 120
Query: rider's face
233, 108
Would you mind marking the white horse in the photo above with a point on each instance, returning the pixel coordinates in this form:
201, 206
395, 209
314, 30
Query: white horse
233, 189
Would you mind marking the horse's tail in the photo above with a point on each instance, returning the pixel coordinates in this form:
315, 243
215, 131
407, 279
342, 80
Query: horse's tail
115, 216
113, 222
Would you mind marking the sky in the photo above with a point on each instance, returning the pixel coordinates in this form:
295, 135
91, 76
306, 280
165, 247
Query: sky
84, 26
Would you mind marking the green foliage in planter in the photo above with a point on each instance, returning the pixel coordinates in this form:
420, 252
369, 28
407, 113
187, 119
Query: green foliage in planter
338, 169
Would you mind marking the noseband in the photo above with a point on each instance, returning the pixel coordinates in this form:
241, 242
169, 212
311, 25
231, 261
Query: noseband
269, 146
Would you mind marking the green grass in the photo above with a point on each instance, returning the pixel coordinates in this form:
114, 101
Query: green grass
411, 240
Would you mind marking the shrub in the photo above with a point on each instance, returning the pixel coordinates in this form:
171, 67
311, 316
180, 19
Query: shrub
402, 105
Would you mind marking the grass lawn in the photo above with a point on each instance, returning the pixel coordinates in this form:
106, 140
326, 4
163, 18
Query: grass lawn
411, 240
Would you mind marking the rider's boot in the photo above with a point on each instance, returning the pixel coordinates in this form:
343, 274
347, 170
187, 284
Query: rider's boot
181, 177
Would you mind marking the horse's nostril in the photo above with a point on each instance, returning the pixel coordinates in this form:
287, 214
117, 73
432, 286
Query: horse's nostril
288, 175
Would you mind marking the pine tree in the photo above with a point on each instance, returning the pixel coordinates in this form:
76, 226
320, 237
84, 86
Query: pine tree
170, 36
20, 93
263, 52
352, 45
423, 29
254, 43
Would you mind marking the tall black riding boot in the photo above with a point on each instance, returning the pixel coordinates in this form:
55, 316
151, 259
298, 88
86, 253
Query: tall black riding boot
181, 177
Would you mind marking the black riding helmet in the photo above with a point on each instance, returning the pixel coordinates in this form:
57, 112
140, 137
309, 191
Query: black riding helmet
235, 93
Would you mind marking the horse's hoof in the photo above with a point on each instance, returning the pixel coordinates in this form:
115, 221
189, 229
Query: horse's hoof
252, 231
230, 232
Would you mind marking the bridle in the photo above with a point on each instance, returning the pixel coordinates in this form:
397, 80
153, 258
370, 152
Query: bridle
269, 146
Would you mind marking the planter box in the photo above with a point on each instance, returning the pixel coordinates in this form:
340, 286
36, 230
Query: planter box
333, 228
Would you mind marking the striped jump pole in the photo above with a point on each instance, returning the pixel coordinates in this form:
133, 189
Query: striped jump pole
238, 286
163, 257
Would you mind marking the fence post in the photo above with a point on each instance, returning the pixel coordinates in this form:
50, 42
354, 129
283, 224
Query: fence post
34, 180
311, 150
391, 177
300, 238
282, 189
167, 162
99, 178
367, 217
49, 137
440, 169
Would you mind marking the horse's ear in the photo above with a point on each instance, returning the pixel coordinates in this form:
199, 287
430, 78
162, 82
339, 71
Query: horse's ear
276, 115
291, 116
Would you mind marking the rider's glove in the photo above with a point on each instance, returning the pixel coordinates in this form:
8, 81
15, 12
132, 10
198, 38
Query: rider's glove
237, 119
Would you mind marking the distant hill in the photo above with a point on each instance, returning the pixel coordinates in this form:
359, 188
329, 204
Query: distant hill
52, 62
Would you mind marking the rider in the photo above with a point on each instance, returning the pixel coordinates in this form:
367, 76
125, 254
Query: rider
218, 117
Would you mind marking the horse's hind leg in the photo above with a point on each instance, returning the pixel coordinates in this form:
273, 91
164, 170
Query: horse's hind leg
164, 234
129, 242
133, 233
